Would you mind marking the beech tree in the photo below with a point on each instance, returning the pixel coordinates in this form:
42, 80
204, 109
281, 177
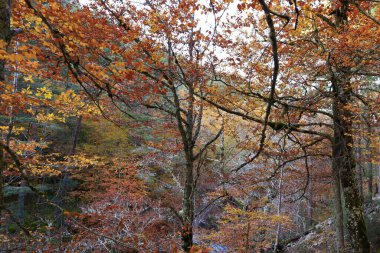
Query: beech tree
5, 32
323, 68
177, 79
293, 75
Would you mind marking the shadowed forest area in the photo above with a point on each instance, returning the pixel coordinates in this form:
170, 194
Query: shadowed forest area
190, 126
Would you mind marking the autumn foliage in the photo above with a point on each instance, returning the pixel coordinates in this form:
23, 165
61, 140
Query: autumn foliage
195, 126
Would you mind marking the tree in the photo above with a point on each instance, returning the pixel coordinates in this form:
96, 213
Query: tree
292, 70
5, 33
324, 94
139, 56
179, 70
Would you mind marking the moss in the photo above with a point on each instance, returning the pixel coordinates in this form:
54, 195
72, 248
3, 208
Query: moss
9, 191
103, 138
12, 228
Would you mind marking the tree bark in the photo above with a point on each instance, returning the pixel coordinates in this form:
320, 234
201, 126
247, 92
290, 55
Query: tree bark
186, 131
247, 237
342, 144
76, 135
339, 227
378, 180
64, 181
21, 202
2, 167
370, 182
188, 207
5, 35
370, 165
344, 164
5, 31
359, 168
279, 206
310, 205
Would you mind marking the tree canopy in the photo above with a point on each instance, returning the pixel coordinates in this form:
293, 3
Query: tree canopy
194, 126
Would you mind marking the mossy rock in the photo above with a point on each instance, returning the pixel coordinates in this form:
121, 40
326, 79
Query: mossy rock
10, 191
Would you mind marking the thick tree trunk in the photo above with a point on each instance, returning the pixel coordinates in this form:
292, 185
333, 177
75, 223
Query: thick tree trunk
339, 227
378, 180
343, 155
344, 163
5, 32
2, 167
355, 219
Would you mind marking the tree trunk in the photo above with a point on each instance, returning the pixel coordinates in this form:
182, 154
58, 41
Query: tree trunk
5, 31
342, 154
339, 227
64, 181
2, 167
370, 167
5, 35
359, 168
310, 205
378, 180
61, 193
188, 207
247, 237
21, 202
344, 164
76, 135
279, 206
370, 182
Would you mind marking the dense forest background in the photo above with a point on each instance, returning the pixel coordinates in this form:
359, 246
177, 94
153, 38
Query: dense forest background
189, 126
